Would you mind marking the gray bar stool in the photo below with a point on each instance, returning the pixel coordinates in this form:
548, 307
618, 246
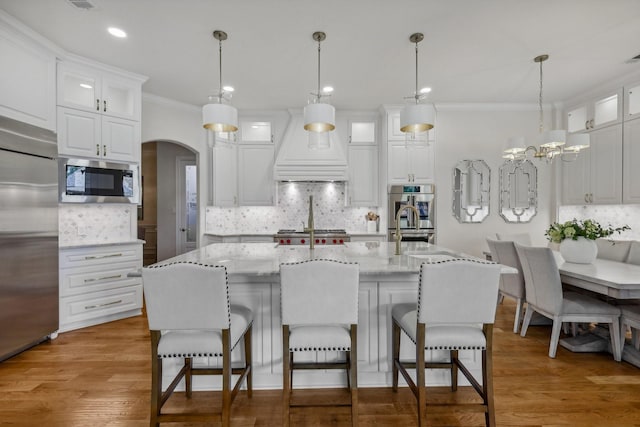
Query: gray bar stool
190, 316
319, 313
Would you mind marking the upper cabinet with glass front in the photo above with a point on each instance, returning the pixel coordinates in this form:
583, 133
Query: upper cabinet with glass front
255, 131
103, 92
595, 113
632, 101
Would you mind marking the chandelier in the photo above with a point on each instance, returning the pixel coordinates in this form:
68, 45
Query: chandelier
554, 143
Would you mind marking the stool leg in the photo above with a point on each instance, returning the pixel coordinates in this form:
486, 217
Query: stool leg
187, 376
395, 353
248, 360
454, 370
487, 377
286, 376
420, 376
353, 371
226, 378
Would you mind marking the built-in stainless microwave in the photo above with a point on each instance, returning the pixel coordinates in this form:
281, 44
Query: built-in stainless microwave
95, 181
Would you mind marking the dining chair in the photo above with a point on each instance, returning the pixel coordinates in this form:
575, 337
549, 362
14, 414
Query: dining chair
455, 310
544, 295
613, 250
522, 238
511, 285
634, 253
630, 318
190, 316
319, 304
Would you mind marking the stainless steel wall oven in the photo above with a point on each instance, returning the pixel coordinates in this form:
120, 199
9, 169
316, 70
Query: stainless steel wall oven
422, 197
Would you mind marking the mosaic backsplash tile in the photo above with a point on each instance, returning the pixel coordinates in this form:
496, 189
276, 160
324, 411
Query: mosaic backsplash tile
292, 209
95, 223
614, 215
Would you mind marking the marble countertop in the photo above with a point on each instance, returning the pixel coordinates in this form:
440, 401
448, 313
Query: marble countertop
374, 258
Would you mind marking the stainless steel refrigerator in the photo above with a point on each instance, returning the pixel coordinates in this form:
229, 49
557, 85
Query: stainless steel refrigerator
28, 236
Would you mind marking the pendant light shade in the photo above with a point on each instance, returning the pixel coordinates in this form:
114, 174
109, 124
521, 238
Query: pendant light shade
415, 118
218, 116
319, 116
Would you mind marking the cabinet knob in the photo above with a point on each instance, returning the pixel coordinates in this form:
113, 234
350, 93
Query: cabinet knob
183, 229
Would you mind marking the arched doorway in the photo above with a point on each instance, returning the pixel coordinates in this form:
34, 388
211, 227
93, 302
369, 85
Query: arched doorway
168, 215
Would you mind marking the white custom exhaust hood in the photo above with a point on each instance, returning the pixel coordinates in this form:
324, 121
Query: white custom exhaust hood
295, 161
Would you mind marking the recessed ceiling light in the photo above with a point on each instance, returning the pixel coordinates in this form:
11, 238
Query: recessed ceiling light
425, 90
86, 86
117, 32
228, 88
327, 89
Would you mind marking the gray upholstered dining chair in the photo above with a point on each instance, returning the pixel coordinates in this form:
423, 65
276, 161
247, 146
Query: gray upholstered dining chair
522, 238
545, 295
319, 303
634, 253
455, 311
511, 285
613, 250
190, 316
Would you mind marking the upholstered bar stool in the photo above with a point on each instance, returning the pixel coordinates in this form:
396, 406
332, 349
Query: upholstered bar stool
190, 315
319, 313
455, 311
511, 285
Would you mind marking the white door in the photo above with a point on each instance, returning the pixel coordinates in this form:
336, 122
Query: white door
187, 204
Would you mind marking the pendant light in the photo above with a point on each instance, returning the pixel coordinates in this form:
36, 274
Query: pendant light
319, 116
416, 117
218, 116
553, 143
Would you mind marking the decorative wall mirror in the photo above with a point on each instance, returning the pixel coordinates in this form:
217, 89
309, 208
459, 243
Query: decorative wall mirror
471, 185
518, 191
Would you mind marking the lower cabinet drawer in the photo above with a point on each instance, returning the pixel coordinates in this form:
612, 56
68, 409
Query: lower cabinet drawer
74, 281
98, 304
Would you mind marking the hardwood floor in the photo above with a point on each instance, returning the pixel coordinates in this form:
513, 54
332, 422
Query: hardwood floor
100, 376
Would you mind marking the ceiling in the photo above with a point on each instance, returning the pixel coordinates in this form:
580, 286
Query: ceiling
473, 51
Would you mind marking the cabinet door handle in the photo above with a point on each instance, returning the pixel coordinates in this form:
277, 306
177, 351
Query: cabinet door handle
586, 124
105, 105
106, 304
93, 279
97, 149
586, 197
97, 104
590, 197
591, 123
103, 256
104, 150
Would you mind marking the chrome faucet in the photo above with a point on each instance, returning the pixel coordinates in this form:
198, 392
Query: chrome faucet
310, 227
398, 233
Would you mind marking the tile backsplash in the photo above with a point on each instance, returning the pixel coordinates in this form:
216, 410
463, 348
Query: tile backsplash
614, 215
292, 209
94, 223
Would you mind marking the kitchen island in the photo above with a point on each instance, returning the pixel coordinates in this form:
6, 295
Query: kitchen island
385, 279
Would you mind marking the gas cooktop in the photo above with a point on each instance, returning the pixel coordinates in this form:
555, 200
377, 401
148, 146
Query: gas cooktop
322, 237
316, 231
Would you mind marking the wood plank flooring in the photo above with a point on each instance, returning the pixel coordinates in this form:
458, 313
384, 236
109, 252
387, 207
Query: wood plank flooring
100, 376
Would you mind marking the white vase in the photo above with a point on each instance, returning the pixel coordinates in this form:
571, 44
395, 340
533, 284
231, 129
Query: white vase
580, 251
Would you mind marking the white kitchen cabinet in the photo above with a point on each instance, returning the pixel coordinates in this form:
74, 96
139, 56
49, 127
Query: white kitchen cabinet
631, 160
99, 91
243, 172
595, 113
363, 175
595, 177
410, 163
27, 79
362, 132
86, 134
95, 287
225, 174
632, 101
255, 174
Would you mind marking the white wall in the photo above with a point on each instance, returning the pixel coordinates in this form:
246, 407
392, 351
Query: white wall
167, 120
468, 132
